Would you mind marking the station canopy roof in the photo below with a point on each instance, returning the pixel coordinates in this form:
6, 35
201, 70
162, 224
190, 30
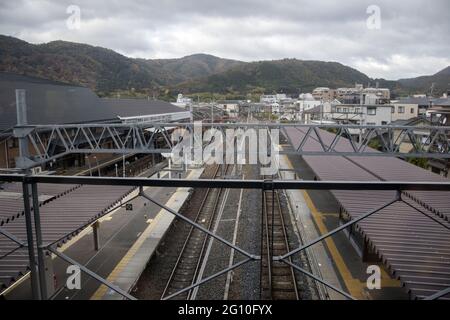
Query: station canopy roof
50, 102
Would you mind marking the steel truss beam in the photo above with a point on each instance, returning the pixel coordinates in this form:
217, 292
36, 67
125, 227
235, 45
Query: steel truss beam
49, 142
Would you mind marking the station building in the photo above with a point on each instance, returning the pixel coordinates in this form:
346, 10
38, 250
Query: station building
54, 103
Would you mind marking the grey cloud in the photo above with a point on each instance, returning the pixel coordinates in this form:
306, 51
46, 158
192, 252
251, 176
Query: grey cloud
413, 38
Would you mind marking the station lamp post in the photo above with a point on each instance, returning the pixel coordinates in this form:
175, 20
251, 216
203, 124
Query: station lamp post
89, 164
98, 166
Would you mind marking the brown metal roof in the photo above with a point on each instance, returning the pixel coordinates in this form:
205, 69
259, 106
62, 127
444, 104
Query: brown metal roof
415, 248
11, 199
61, 219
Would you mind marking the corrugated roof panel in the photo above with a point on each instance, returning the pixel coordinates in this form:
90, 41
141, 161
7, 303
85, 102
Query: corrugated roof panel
60, 219
414, 247
11, 200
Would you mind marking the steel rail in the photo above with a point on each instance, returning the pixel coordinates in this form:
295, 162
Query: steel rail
266, 244
174, 269
296, 267
211, 277
286, 242
196, 225
207, 242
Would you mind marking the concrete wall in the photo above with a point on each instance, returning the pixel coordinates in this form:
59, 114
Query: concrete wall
382, 116
410, 111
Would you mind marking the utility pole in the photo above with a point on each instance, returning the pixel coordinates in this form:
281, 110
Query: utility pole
89, 164
321, 110
98, 166
123, 166
22, 120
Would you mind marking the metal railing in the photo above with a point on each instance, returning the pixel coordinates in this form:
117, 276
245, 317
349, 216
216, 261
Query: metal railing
34, 229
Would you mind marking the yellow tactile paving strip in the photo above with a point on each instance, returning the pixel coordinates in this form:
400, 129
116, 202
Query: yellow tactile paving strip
355, 286
101, 291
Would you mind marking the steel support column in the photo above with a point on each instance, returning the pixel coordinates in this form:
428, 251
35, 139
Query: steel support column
29, 226
39, 244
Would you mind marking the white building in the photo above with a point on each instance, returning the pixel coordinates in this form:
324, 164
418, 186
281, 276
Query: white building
350, 114
281, 96
359, 94
410, 107
323, 94
303, 105
362, 114
381, 93
268, 98
305, 96
182, 101
275, 108
230, 106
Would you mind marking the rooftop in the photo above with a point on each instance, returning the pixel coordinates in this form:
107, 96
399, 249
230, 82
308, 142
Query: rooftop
50, 102
444, 102
421, 101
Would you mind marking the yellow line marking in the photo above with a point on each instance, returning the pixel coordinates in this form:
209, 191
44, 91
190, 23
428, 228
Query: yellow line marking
387, 281
329, 214
101, 291
355, 286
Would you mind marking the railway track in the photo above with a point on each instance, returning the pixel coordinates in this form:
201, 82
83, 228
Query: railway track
278, 280
192, 252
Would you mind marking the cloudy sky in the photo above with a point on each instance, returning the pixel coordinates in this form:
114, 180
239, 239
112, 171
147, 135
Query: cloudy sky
410, 38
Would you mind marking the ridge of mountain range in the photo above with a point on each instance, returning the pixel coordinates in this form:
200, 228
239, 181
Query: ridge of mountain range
106, 71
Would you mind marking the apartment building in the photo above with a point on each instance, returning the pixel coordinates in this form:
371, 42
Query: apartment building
349, 95
268, 98
405, 109
368, 114
350, 114
361, 95
323, 94
230, 106
381, 93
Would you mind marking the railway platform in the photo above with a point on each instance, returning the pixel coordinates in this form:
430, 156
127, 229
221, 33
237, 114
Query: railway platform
129, 269
121, 233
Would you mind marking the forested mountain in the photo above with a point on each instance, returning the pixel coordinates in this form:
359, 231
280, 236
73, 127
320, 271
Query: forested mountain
107, 71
